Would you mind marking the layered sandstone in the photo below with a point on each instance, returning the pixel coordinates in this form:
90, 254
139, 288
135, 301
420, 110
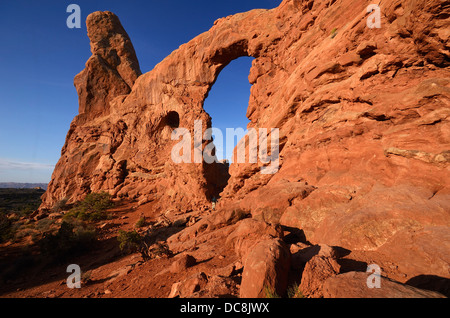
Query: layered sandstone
363, 116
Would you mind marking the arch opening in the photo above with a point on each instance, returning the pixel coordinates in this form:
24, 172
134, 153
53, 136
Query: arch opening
227, 103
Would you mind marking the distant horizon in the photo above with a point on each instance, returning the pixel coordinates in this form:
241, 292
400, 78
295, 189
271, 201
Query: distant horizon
23, 185
13, 182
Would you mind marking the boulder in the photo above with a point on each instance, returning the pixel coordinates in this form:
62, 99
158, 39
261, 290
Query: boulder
316, 271
266, 269
354, 285
187, 287
182, 262
250, 232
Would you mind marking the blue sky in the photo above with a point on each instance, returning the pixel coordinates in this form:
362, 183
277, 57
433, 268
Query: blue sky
40, 56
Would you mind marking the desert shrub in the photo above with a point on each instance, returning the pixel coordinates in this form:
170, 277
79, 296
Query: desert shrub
6, 228
140, 223
35, 230
129, 241
86, 277
294, 291
44, 225
72, 237
132, 242
270, 292
27, 209
23, 232
92, 208
333, 33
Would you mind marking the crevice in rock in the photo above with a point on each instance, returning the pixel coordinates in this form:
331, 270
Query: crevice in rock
377, 117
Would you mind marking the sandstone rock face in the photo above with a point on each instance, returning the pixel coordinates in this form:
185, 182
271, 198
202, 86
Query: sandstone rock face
111, 70
363, 116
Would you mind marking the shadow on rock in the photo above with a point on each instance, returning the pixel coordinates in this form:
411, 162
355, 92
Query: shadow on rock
431, 282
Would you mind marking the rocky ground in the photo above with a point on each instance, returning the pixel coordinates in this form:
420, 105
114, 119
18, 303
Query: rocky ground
211, 254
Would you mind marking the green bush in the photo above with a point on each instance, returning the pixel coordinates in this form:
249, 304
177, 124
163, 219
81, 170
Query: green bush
334, 33
24, 232
92, 208
27, 209
140, 223
133, 242
129, 241
295, 292
270, 292
44, 225
6, 228
72, 237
